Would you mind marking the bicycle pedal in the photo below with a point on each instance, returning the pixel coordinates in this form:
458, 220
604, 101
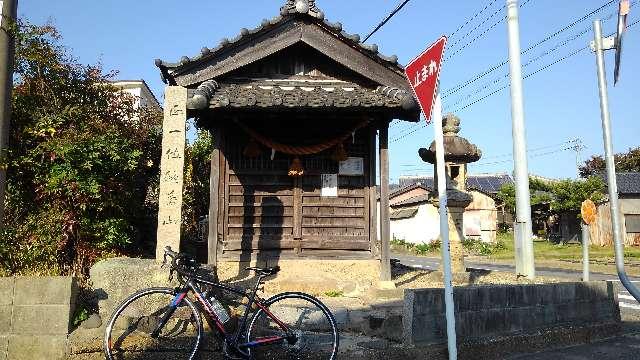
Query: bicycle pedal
231, 355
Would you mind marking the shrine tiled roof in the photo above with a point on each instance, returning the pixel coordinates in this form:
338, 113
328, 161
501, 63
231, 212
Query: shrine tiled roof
293, 9
271, 93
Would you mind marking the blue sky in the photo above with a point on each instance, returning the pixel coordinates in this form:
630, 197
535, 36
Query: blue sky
561, 102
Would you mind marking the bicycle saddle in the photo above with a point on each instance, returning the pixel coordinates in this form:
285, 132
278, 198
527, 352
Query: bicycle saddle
265, 271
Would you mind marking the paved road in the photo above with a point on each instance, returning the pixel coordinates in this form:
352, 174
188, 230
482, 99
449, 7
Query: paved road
618, 348
625, 299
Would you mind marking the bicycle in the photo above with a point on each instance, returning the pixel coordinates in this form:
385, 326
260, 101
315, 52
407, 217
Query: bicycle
166, 322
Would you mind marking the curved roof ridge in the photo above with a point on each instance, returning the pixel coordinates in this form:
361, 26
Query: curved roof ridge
291, 9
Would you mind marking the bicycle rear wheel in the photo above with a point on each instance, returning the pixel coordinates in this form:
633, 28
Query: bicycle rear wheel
130, 332
313, 333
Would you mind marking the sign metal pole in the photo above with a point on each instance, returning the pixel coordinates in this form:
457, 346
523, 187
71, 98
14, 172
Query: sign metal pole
585, 252
444, 230
599, 45
423, 73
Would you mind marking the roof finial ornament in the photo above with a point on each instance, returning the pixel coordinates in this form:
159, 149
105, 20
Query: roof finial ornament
302, 7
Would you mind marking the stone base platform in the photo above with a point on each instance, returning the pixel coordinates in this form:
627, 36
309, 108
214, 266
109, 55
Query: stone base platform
349, 277
115, 279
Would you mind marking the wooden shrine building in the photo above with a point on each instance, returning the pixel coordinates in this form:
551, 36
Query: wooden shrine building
294, 107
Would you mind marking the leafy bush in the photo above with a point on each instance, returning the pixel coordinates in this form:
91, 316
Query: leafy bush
426, 248
196, 183
82, 163
419, 249
479, 247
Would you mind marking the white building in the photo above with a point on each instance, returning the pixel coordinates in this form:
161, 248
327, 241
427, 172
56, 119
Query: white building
141, 91
415, 220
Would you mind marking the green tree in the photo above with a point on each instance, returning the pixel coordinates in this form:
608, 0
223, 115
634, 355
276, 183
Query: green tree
568, 195
82, 163
562, 196
540, 191
196, 183
629, 161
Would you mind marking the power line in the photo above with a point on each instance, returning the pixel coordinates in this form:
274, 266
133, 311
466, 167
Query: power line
474, 29
484, 33
506, 61
576, 52
471, 19
564, 58
535, 149
530, 157
506, 75
585, 17
533, 60
386, 19
528, 63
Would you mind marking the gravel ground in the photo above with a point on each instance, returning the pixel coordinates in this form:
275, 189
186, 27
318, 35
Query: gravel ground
410, 278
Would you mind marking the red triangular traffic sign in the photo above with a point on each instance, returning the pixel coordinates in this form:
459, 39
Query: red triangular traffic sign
423, 73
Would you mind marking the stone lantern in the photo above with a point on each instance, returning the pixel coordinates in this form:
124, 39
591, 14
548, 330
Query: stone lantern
458, 153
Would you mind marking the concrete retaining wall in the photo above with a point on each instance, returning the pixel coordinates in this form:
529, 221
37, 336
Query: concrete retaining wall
35, 316
508, 310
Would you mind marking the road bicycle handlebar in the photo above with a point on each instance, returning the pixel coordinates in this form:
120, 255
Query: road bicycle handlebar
180, 263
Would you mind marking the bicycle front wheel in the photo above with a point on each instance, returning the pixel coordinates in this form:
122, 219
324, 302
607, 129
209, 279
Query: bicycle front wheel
147, 325
311, 331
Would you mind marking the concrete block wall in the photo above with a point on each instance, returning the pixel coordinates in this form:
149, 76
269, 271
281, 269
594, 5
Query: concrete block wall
35, 316
491, 311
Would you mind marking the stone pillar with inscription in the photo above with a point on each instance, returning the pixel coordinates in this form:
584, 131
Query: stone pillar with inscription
171, 169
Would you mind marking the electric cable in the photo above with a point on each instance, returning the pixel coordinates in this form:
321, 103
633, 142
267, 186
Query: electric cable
484, 33
564, 58
386, 19
506, 61
528, 63
471, 19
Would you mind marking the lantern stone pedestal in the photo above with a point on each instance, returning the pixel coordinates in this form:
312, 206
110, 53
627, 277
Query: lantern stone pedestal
457, 201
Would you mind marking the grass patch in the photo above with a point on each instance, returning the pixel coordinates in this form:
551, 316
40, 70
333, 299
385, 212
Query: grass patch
334, 293
431, 248
546, 250
478, 247
504, 249
471, 247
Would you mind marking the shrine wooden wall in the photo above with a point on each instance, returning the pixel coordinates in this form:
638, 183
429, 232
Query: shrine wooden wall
263, 213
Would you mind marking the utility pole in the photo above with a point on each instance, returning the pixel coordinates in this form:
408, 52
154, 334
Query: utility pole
578, 146
9, 10
522, 227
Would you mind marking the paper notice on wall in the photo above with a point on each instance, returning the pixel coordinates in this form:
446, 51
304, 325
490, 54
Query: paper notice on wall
329, 185
353, 166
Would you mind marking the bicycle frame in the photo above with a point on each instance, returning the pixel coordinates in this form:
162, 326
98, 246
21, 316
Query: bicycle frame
232, 339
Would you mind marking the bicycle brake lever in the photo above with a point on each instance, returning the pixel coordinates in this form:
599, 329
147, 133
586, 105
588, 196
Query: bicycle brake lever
164, 261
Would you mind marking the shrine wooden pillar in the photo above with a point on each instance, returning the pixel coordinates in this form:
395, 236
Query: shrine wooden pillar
373, 194
214, 197
385, 261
